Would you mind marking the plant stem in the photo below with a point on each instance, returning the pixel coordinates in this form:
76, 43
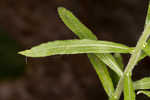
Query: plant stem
133, 60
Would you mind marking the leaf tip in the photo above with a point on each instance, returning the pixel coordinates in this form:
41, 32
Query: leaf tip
26, 53
60, 9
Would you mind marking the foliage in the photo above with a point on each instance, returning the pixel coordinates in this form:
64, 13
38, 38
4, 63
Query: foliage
100, 55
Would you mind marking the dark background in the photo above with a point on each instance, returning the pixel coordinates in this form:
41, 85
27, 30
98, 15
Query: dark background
25, 23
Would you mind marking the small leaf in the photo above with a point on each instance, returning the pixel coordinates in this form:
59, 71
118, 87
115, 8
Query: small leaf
147, 48
144, 92
75, 25
102, 73
148, 15
142, 56
115, 77
75, 47
111, 62
129, 93
83, 33
142, 83
119, 60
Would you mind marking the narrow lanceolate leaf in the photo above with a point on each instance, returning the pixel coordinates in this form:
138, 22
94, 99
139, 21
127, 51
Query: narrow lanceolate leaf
82, 32
75, 47
144, 92
142, 83
148, 15
119, 60
102, 73
142, 56
129, 93
75, 25
146, 49
111, 62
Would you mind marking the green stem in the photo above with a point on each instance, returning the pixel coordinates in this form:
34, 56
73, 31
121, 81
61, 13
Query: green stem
133, 60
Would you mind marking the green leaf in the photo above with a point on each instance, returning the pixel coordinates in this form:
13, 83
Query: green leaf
129, 93
75, 25
82, 32
142, 56
148, 15
75, 47
144, 92
102, 73
119, 60
111, 62
143, 83
115, 77
145, 51
146, 48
